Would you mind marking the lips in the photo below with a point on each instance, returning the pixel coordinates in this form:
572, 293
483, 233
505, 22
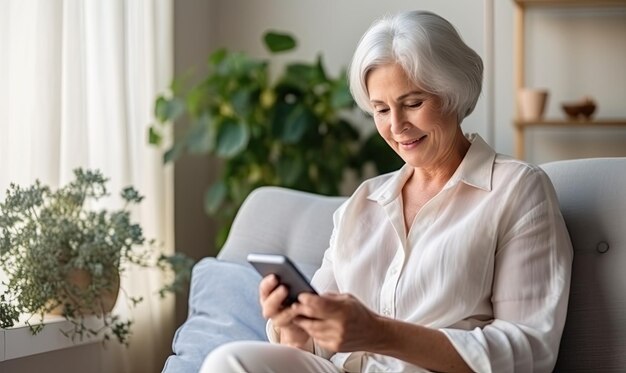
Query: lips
411, 142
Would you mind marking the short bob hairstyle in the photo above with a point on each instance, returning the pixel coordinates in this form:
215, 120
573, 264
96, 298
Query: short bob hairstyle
430, 51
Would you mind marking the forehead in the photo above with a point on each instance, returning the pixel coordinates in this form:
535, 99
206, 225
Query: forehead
389, 80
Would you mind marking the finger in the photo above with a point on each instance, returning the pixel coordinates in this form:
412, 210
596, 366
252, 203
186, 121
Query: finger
305, 309
326, 333
311, 326
306, 297
321, 307
273, 303
284, 318
267, 285
314, 327
336, 296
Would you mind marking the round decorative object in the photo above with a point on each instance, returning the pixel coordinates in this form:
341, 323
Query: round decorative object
78, 283
584, 107
602, 247
532, 103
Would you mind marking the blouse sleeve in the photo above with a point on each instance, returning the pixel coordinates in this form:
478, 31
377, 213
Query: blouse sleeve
530, 286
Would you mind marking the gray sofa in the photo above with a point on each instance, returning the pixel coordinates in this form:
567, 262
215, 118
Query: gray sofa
592, 194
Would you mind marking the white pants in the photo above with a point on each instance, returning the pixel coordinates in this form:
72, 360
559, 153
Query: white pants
264, 357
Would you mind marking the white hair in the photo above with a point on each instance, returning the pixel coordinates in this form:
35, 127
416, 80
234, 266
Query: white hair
430, 51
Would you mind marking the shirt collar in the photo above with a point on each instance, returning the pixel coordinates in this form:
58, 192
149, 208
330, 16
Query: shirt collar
475, 170
477, 166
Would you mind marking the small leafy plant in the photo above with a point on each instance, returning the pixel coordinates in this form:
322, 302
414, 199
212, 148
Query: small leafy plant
58, 255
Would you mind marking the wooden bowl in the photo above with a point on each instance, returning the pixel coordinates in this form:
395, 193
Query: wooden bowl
575, 109
571, 110
587, 109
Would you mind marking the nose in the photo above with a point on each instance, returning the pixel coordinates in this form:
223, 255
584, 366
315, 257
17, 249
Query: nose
397, 121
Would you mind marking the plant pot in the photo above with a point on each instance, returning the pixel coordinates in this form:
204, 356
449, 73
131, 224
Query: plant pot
77, 294
532, 103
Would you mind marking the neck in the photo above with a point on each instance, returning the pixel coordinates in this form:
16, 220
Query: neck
439, 174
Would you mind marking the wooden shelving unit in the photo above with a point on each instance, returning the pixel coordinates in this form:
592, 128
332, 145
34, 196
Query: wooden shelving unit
520, 73
585, 3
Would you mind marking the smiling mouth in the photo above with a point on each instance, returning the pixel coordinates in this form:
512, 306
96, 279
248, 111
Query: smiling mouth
411, 142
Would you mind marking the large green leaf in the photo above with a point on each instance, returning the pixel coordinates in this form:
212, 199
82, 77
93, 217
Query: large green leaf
231, 64
168, 109
279, 42
290, 169
237, 66
202, 98
321, 72
241, 101
154, 136
279, 116
232, 138
297, 123
217, 56
340, 95
214, 197
305, 78
302, 72
173, 153
201, 137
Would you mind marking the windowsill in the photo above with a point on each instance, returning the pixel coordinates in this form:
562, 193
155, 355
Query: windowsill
18, 341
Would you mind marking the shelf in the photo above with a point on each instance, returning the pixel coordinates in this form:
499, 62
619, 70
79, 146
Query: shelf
18, 341
581, 3
519, 77
572, 123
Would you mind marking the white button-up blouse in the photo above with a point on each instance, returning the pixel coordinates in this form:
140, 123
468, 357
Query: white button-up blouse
487, 261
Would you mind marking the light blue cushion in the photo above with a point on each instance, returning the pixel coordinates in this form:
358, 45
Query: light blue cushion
223, 307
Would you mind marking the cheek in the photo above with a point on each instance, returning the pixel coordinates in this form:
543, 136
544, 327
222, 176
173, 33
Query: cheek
380, 126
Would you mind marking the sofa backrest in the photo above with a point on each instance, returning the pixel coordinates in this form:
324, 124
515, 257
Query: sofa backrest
592, 197
282, 221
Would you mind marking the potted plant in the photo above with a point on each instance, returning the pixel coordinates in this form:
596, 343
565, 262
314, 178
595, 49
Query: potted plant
60, 256
292, 131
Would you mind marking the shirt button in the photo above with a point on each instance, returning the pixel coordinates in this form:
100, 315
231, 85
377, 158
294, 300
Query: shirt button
386, 312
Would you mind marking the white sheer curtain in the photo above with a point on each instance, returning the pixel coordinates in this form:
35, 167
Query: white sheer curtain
77, 84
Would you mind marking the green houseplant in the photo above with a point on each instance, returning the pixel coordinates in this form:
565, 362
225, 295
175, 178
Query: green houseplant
290, 131
59, 256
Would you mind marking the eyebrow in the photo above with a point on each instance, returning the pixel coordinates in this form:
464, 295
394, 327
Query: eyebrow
402, 97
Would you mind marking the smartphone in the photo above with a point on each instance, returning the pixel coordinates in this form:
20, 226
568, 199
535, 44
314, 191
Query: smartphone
287, 273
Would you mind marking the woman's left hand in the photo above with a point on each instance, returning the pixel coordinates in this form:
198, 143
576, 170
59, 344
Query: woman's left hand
338, 322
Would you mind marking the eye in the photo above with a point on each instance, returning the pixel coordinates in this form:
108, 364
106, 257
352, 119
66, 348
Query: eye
381, 110
415, 104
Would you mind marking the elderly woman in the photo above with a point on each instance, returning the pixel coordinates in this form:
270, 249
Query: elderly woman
459, 261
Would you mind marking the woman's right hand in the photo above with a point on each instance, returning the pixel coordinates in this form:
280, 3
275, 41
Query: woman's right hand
272, 295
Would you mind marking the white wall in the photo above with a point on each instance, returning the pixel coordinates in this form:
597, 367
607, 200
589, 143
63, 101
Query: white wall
573, 52
334, 27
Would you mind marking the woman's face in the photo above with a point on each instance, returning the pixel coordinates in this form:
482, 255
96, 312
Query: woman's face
410, 119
